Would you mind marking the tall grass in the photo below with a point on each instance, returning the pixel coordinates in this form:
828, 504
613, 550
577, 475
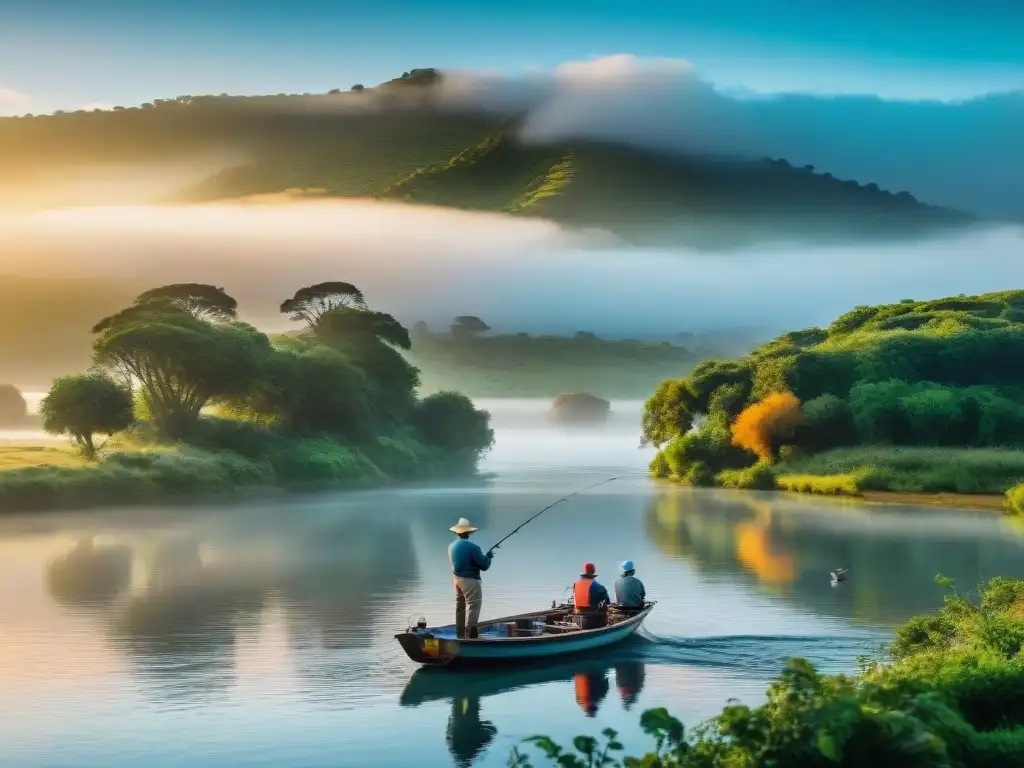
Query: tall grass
912, 470
824, 485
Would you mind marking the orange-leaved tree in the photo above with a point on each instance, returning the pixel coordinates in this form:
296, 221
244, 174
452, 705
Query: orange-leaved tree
761, 426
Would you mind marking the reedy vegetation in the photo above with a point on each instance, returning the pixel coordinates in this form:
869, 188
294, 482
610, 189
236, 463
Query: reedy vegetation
335, 406
949, 695
880, 400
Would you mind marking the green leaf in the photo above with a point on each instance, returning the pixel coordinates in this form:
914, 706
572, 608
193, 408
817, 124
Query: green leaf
828, 746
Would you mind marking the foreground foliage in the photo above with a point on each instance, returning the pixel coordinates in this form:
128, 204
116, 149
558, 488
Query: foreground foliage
950, 695
935, 375
332, 407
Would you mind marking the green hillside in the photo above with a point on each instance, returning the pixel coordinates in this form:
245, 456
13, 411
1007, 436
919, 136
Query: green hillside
397, 142
893, 397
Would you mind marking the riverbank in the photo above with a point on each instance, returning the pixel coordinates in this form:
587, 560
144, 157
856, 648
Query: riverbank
46, 477
991, 479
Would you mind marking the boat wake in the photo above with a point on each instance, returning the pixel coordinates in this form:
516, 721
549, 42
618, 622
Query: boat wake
759, 654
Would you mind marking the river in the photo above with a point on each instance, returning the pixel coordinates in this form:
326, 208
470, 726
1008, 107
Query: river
262, 634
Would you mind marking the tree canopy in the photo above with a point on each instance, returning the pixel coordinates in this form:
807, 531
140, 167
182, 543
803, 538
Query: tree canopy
309, 304
342, 326
468, 325
81, 406
182, 363
204, 302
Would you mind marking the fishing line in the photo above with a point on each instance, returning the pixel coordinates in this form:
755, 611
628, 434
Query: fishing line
556, 503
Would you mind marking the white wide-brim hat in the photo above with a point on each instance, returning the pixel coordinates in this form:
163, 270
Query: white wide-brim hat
463, 526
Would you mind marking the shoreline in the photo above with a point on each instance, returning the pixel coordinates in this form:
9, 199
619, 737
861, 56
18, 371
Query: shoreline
243, 494
988, 502
985, 501
43, 478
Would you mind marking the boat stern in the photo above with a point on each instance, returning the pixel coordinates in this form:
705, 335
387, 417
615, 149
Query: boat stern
425, 648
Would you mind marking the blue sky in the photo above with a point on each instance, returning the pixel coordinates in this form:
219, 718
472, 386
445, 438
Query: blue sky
69, 53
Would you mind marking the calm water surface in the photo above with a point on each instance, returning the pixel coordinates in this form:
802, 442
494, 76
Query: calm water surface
262, 635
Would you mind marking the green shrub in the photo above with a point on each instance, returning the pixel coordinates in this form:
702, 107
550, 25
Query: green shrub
759, 477
1015, 499
953, 695
322, 463
659, 466
828, 423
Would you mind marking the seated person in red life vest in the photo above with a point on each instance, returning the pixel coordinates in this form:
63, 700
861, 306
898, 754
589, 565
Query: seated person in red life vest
588, 596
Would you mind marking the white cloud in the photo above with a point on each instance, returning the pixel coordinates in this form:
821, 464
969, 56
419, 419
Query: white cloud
964, 154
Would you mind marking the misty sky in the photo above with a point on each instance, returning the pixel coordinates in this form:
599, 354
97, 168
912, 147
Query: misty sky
519, 275
71, 53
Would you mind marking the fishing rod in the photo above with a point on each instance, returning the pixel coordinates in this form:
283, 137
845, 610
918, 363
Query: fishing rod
549, 506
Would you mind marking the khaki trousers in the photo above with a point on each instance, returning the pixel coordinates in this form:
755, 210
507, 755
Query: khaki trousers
469, 598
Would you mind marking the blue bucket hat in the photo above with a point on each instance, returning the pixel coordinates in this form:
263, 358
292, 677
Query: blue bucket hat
628, 566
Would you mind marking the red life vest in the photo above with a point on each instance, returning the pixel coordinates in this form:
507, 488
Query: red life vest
581, 593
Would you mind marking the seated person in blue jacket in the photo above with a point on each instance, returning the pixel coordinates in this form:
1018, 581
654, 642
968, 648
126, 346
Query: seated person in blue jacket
629, 590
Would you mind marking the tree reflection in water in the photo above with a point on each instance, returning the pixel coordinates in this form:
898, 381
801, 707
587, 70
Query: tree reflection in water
206, 586
789, 545
91, 575
468, 734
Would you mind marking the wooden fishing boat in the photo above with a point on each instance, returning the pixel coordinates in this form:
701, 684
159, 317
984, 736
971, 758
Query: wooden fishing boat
557, 631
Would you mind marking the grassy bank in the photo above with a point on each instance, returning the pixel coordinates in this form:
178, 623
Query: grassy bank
948, 692
950, 477
184, 401
890, 402
904, 470
38, 477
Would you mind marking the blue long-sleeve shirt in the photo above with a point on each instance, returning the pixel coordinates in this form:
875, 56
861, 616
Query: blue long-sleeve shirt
467, 559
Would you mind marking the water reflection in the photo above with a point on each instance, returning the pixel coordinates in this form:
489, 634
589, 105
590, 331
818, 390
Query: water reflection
468, 734
788, 547
90, 575
196, 592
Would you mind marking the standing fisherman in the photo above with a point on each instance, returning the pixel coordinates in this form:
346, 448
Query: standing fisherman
467, 561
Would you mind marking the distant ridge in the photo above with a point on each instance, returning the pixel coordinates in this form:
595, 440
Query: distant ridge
397, 143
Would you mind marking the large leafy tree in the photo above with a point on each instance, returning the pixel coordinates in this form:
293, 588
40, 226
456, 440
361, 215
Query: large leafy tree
313, 390
309, 304
372, 341
182, 363
82, 406
354, 326
201, 301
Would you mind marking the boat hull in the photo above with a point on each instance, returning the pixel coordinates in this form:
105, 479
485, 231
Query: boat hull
438, 647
